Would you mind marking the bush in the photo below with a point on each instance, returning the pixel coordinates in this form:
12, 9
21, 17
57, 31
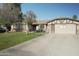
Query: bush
40, 30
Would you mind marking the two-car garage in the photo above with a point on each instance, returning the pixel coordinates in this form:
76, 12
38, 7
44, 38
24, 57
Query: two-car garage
65, 28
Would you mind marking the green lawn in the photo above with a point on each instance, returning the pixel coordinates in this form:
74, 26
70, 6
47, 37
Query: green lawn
11, 39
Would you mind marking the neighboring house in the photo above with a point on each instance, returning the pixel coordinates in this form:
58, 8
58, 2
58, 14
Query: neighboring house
20, 26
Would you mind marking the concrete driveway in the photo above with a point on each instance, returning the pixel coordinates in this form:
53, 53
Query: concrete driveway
46, 45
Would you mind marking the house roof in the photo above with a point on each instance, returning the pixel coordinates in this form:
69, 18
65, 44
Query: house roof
64, 19
40, 22
45, 22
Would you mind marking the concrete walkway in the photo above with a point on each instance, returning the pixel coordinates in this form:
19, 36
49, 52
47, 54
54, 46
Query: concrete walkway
47, 45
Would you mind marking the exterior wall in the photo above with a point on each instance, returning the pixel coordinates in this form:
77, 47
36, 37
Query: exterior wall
13, 28
19, 27
45, 28
77, 28
22, 27
49, 28
25, 28
65, 28
37, 27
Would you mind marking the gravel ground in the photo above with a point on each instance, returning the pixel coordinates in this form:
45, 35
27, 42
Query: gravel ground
46, 45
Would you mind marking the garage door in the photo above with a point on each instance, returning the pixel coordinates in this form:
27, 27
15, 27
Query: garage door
65, 29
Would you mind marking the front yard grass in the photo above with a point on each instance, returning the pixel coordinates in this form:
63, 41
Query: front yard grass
10, 39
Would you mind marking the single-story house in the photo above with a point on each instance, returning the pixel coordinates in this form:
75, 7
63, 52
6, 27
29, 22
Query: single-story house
60, 26
56, 26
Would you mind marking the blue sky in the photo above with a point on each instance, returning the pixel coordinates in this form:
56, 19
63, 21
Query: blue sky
48, 11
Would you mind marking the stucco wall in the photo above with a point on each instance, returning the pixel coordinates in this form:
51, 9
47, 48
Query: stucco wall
77, 28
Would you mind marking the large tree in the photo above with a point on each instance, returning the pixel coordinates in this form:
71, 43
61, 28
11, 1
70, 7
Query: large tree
10, 13
74, 17
29, 18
